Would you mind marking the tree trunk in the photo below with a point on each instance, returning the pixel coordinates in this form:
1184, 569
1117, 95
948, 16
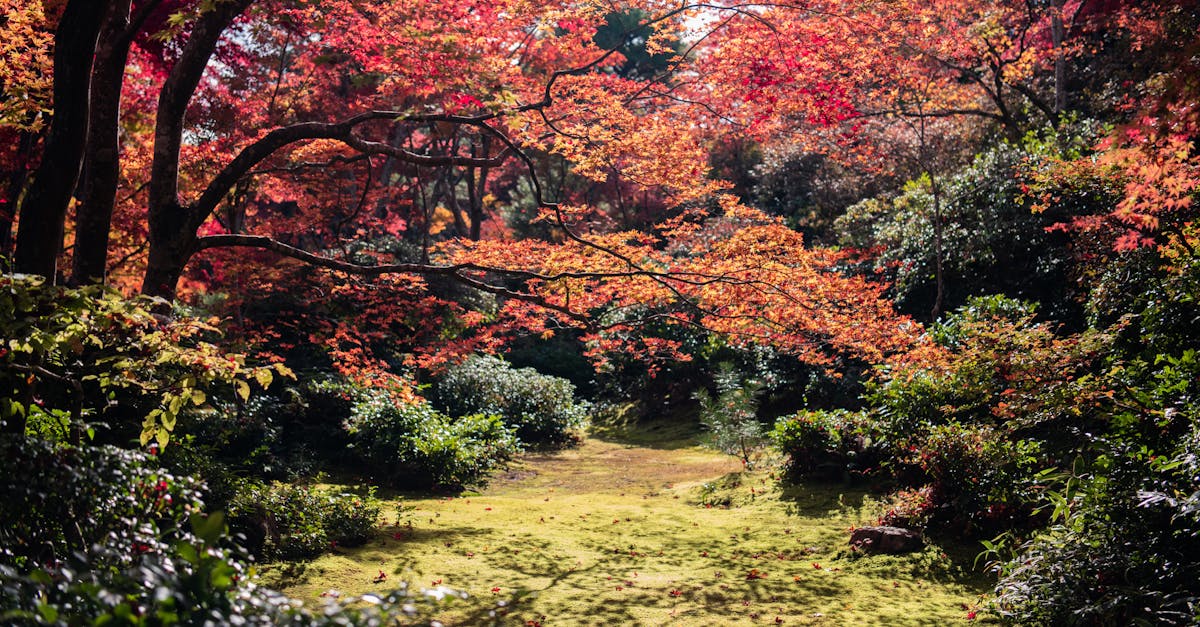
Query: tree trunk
168, 257
939, 275
173, 226
14, 185
102, 165
1057, 35
44, 208
476, 188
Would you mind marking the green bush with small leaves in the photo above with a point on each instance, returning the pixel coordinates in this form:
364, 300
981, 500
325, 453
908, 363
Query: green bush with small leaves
280, 521
542, 409
57, 501
414, 445
195, 580
349, 519
975, 476
832, 440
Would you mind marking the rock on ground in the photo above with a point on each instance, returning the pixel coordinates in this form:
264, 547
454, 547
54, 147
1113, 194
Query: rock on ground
887, 540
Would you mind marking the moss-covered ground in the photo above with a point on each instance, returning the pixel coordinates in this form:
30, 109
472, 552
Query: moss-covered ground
656, 533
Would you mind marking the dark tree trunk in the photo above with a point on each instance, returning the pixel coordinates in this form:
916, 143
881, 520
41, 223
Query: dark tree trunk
1058, 34
44, 208
173, 226
168, 258
102, 165
476, 187
938, 252
14, 185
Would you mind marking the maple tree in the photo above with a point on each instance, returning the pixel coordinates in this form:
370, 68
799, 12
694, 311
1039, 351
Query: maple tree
310, 129
1147, 169
373, 193
25, 88
911, 90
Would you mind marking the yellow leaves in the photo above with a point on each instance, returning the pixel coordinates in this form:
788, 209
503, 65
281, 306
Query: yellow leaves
161, 422
319, 150
283, 371
242, 389
264, 377
26, 70
441, 219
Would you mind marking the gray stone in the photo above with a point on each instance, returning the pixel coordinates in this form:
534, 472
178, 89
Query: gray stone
887, 540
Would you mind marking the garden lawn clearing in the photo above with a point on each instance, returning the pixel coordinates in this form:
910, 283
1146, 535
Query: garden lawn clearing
615, 534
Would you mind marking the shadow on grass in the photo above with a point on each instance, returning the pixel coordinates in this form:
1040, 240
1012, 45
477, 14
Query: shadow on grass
722, 591
610, 535
822, 499
663, 434
286, 574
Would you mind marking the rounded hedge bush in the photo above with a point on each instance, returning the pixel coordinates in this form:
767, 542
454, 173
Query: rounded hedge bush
280, 521
829, 442
541, 408
417, 446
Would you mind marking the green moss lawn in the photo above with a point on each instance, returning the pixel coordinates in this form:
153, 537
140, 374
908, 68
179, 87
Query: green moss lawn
655, 533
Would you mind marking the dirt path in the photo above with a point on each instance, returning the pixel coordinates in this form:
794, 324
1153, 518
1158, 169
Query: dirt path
610, 534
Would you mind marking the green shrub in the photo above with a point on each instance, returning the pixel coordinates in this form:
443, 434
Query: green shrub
349, 519
542, 409
58, 502
991, 241
834, 440
417, 446
192, 581
280, 521
1124, 543
289, 433
1123, 549
975, 475
1000, 369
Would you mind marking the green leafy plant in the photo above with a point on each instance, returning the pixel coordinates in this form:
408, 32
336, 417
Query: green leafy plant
79, 355
349, 519
975, 476
417, 446
194, 580
542, 409
838, 440
280, 521
1116, 552
60, 501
